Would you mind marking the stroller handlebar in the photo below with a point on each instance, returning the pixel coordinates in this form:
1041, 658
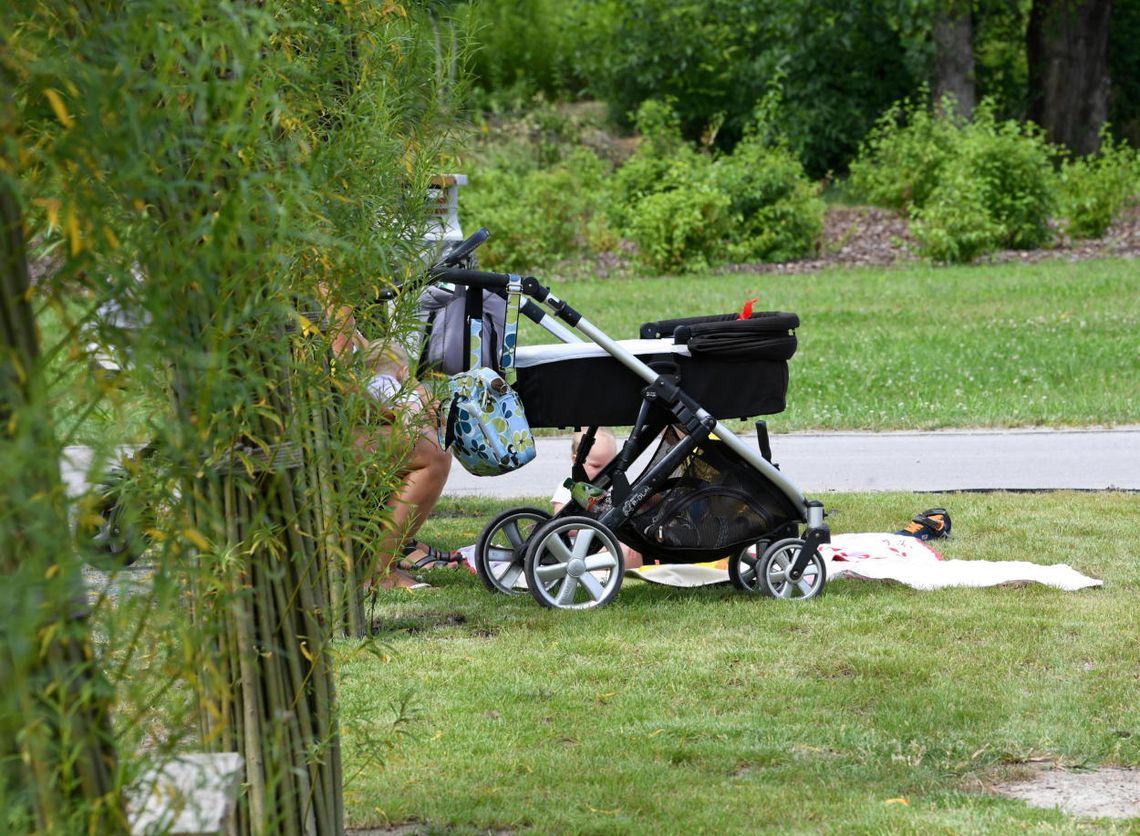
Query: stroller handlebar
464, 248
449, 261
490, 281
471, 278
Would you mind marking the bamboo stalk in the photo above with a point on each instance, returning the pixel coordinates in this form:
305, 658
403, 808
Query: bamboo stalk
318, 681
254, 763
63, 721
286, 681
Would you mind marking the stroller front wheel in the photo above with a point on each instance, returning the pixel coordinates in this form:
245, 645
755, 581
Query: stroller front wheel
574, 563
774, 566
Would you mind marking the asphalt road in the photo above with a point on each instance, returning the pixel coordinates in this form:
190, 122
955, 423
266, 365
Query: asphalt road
949, 460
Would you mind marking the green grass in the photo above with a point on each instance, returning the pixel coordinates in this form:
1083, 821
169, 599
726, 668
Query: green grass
909, 348
923, 347
708, 710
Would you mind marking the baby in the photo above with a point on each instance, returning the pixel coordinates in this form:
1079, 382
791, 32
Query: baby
604, 449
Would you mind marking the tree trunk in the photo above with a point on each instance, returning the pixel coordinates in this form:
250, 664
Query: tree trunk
954, 57
1067, 49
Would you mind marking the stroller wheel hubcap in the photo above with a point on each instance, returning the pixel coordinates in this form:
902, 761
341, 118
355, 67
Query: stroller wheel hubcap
574, 563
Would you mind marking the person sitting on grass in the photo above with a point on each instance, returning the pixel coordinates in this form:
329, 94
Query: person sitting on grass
402, 409
601, 454
402, 406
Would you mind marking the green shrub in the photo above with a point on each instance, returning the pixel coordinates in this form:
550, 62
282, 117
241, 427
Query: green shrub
775, 211
681, 229
755, 203
1011, 164
538, 217
970, 186
659, 126
1094, 189
645, 174
682, 209
901, 161
955, 226
662, 161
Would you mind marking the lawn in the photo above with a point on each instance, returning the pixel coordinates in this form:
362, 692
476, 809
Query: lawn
913, 347
874, 708
1053, 343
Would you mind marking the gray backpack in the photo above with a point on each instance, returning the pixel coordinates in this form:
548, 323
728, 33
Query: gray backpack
464, 329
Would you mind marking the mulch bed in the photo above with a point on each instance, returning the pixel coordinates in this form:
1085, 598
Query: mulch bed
866, 236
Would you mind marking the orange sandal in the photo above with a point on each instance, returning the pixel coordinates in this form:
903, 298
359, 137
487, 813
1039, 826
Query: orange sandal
932, 524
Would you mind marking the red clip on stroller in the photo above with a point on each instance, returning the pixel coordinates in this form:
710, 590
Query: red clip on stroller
705, 494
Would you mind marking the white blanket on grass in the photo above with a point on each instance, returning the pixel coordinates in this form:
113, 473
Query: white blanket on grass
892, 557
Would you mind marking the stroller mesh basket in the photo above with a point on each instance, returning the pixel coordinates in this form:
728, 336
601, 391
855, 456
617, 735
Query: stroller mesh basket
712, 506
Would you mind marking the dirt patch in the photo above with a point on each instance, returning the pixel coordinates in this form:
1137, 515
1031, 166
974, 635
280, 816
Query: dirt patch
419, 623
1101, 793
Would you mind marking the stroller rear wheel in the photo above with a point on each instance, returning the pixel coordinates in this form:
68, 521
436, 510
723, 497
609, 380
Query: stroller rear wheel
574, 563
742, 567
768, 574
500, 554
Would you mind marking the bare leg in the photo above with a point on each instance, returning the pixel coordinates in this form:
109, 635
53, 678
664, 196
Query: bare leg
427, 468
412, 504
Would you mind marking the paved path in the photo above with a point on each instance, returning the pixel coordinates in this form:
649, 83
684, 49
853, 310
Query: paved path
948, 460
895, 461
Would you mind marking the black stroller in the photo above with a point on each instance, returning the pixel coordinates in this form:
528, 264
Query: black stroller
705, 494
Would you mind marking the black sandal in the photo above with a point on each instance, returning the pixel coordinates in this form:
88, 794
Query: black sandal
433, 558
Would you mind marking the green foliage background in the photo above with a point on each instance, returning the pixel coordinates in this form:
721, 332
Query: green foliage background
836, 66
809, 89
225, 175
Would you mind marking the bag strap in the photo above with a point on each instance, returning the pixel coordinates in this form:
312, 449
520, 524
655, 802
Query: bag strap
449, 427
473, 327
511, 327
425, 345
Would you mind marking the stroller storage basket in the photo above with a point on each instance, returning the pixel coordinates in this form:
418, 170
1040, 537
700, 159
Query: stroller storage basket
712, 506
580, 384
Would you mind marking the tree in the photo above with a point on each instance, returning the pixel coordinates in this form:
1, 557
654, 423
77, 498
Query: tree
1067, 50
836, 65
954, 56
1124, 70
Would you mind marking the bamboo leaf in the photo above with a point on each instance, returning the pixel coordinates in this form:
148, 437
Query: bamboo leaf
59, 108
195, 537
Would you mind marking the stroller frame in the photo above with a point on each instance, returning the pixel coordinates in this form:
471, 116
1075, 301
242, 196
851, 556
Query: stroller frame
777, 575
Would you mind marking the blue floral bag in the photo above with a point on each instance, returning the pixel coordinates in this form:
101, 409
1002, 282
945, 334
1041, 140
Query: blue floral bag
485, 425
